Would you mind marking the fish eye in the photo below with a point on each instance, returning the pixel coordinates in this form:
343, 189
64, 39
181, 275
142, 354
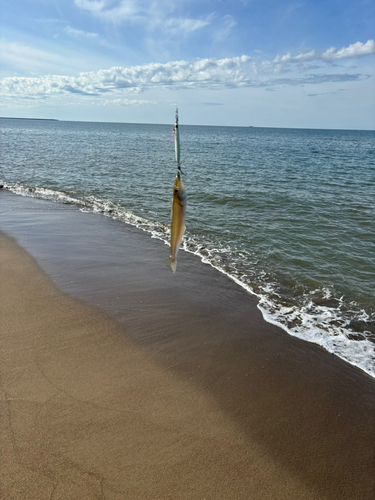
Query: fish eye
176, 191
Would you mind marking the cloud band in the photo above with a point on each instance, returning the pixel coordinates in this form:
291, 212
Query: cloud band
233, 72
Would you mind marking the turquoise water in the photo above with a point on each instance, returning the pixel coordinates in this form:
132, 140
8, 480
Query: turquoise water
288, 214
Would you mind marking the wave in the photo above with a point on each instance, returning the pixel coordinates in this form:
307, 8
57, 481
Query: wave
320, 318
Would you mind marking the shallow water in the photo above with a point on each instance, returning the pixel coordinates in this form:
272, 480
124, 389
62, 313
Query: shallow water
289, 214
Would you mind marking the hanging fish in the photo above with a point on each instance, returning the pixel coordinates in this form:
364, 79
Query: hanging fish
178, 220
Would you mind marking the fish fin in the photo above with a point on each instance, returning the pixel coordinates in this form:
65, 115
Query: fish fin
172, 263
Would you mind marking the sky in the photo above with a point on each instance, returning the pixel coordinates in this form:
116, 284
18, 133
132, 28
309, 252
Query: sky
264, 63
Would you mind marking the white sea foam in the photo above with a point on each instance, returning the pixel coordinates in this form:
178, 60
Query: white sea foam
320, 324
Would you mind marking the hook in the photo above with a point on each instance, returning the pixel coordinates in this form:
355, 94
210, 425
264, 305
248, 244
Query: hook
179, 170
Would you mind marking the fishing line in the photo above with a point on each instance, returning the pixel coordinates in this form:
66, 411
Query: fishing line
176, 135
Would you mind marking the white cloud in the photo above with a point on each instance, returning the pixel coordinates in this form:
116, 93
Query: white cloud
357, 49
149, 14
74, 33
223, 28
205, 74
107, 11
20, 55
127, 102
176, 26
123, 10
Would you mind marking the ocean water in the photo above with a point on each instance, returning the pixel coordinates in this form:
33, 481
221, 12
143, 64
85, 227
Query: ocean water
288, 214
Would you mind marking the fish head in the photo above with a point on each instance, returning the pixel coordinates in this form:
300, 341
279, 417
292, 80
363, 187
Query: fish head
179, 190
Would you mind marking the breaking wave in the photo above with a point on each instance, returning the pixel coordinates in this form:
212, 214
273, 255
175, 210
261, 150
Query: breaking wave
320, 316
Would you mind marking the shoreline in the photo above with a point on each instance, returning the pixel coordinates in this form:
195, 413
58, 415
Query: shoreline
195, 395
195, 125
35, 119
339, 342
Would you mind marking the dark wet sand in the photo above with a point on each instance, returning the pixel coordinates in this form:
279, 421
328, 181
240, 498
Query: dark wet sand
120, 380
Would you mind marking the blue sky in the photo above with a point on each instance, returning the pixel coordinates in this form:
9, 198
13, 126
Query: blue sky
258, 62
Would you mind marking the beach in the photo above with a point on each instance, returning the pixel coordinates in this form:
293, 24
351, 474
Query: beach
122, 380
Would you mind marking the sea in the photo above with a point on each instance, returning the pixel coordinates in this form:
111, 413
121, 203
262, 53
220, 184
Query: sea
288, 214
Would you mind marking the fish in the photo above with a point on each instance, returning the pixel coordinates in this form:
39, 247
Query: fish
178, 220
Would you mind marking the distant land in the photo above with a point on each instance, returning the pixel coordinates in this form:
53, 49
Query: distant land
44, 119
185, 125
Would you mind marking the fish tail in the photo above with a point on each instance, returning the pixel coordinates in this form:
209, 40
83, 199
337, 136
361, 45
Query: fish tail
172, 262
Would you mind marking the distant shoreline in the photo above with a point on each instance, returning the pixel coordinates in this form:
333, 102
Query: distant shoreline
188, 124
38, 119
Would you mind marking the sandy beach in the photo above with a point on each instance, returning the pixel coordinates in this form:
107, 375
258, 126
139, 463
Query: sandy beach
121, 380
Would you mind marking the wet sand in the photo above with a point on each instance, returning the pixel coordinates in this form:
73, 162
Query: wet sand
121, 380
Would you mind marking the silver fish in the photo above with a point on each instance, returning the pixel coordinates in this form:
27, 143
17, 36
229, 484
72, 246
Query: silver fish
178, 220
